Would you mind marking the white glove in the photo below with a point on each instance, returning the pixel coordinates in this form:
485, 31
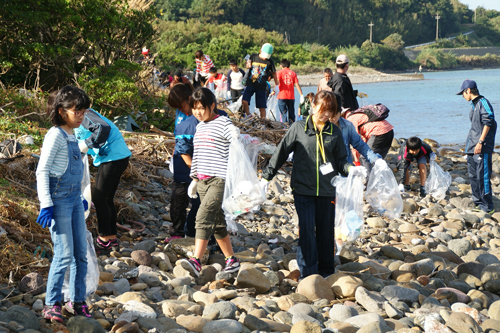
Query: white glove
401, 188
433, 156
197, 77
192, 189
83, 147
264, 184
358, 171
228, 94
235, 133
301, 99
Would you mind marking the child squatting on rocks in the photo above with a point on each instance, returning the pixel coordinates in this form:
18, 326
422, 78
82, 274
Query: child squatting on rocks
411, 150
59, 176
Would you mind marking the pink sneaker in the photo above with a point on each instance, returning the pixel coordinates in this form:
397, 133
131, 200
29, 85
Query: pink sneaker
167, 240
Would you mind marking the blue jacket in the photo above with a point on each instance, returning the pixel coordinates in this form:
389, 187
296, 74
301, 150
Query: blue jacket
481, 114
105, 142
184, 134
351, 137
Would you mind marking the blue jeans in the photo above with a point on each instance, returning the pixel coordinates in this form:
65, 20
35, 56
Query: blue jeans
287, 106
68, 231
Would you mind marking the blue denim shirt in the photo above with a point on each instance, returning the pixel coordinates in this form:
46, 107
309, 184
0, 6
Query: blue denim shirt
351, 137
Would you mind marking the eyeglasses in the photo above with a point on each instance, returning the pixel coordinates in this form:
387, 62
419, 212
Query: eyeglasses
78, 113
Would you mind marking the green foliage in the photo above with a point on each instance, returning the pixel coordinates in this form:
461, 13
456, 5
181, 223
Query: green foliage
342, 22
113, 88
49, 42
394, 42
436, 59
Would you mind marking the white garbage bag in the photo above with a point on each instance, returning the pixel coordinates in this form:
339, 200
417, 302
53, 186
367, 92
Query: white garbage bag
242, 192
382, 192
273, 112
438, 181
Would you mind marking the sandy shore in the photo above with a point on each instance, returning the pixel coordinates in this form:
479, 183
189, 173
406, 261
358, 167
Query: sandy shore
361, 77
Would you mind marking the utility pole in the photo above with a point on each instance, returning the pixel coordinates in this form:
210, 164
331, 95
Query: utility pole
437, 26
371, 32
475, 15
319, 28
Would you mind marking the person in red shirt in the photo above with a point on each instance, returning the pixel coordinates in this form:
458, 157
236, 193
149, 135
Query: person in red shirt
286, 97
216, 78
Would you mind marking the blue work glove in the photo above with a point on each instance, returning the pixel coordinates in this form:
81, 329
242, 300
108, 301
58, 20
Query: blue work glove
85, 205
378, 156
45, 217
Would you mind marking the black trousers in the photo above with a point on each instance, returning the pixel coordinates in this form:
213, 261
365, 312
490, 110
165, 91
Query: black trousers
178, 204
106, 183
479, 171
316, 240
379, 144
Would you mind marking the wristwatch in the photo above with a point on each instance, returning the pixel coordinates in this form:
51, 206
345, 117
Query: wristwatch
481, 142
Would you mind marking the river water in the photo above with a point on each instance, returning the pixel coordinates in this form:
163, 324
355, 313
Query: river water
430, 108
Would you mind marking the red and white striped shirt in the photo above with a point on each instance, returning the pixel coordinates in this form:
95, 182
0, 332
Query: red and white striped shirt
204, 65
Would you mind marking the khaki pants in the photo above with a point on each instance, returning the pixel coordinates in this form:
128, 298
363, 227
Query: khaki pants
210, 217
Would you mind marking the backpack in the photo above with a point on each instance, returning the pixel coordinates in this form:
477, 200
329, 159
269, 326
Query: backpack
374, 112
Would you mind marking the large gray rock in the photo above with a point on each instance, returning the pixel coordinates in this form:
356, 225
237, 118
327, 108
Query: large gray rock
147, 245
81, 324
21, 315
225, 310
163, 324
462, 322
397, 293
460, 246
364, 319
249, 276
255, 324
301, 308
491, 272
141, 257
223, 326
340, 312
392, 252
371, 301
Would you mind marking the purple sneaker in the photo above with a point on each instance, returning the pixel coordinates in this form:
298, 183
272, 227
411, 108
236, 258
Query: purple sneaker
53, 313
232, 265
102, 247
192, 265
170, 238
78, 309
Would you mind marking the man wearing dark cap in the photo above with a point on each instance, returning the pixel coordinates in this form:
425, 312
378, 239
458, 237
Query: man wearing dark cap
479, 146
341, 85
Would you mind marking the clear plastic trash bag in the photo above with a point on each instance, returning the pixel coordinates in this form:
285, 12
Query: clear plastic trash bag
92, 277
252, 147
242, 192
382, 192
236, 106
86, 190
273, 112
438, 181
221, 90
348, 206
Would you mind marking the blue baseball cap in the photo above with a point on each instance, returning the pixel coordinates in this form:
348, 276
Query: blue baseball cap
466, 85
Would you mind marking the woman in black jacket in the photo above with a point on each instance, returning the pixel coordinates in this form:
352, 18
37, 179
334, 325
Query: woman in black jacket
319, 155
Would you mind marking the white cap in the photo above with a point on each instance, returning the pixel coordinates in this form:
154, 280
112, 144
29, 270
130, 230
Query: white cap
342, 59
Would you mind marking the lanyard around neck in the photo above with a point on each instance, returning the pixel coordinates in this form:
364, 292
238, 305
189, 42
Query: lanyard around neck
319, 140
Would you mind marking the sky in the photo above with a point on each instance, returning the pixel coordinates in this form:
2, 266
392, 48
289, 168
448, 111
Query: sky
488, 4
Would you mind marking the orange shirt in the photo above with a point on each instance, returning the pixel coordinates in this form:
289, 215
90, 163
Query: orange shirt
369, 129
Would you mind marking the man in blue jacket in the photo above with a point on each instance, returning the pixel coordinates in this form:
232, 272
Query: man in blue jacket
479, 146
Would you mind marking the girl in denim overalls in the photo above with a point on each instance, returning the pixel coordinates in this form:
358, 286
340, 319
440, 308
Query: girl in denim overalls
59, 175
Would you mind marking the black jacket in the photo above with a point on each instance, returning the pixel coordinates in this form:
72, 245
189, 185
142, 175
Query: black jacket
481, 114
341, 86
301, 139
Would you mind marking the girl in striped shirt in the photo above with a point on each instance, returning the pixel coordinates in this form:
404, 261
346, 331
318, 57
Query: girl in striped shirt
211, 142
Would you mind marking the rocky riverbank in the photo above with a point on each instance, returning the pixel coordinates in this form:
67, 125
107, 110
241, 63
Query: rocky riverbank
435, 269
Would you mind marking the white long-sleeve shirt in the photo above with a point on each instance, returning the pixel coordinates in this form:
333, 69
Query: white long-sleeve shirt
53, 163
